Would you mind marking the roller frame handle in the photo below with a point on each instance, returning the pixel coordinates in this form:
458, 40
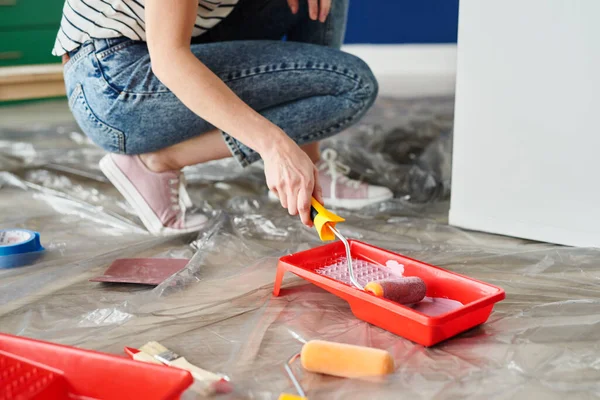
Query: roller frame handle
323, 219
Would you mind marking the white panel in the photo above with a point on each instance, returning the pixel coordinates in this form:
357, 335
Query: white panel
527, 126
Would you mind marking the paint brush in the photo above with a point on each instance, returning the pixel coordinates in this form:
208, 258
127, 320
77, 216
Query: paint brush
216, 383
138, 355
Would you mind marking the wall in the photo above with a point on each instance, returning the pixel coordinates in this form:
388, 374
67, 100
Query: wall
402, 21
409, 45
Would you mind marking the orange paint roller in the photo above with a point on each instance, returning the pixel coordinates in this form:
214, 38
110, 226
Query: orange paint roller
341, 360
345, 360
406, 290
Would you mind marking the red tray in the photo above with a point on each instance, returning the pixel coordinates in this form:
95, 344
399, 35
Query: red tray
32, 369
478, 298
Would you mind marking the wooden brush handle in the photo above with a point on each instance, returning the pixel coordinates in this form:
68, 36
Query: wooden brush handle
197, 373
145, 357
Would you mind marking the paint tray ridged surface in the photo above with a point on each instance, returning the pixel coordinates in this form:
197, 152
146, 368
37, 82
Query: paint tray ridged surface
32, 369
325, 267
23, 380
364, 271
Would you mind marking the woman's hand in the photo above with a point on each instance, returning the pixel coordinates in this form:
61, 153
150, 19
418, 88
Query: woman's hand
316, 8
293, 177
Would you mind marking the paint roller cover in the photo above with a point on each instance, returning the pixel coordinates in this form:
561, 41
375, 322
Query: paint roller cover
407, 290
345, 360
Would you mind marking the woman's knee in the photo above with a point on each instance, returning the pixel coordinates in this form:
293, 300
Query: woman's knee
370, 81
367, 88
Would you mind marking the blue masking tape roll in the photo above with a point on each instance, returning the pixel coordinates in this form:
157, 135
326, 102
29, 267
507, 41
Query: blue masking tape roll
19, 247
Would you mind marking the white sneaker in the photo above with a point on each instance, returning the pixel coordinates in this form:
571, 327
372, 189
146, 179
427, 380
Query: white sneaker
341, 191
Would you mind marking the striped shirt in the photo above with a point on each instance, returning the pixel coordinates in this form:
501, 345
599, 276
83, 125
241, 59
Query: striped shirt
83, 20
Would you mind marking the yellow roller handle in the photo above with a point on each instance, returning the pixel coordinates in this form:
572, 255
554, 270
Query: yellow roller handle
323, 219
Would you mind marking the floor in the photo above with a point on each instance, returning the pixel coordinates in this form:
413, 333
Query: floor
543, 341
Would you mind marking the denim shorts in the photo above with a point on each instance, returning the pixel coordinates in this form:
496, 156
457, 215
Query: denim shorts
303, 84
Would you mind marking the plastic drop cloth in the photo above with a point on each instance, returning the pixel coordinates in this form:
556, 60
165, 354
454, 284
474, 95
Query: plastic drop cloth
543, 341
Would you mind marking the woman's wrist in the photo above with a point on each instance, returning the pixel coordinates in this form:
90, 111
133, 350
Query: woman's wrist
271, 139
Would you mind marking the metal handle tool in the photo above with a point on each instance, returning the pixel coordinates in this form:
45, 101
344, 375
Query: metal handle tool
288, 369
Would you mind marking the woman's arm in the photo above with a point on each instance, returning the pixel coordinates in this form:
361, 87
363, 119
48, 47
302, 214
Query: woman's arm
169, 25
289, 171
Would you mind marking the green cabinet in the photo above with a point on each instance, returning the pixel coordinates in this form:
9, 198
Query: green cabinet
30, 13
27, 31
32, 46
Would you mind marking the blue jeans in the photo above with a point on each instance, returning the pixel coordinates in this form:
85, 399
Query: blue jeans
305, 84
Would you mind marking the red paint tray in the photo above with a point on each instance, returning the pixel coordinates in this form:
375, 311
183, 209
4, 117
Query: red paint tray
32, 369
478, 298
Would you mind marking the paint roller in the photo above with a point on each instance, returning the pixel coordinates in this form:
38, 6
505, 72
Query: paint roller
341, 360
404, 290
408, 290
345, 360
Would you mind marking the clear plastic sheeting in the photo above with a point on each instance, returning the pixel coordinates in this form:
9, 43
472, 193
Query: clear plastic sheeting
543, 341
